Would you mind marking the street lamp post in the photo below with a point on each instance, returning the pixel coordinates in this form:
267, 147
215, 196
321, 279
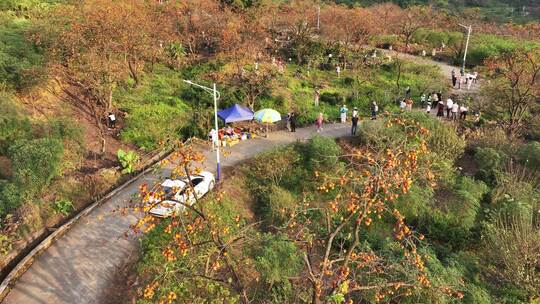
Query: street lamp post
216, 95
469, 30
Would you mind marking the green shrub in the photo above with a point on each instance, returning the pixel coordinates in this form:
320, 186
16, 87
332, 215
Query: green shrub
35, 163
280, 203
277, 260
147, 125
155, 108
332, 98
530, 155
484, 46
20, 61
128, 160
9, 197
63, 207
416, 202
13, 125
469, 195
487, 159
324, 153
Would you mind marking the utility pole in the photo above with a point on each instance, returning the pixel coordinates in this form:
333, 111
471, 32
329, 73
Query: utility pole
318, 17
216, 95
469, 30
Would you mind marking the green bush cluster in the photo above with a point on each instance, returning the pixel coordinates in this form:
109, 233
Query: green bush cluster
155, 110
21, 62
35, 153
530, 155
278, 259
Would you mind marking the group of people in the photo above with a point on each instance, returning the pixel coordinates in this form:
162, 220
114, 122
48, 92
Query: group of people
354, 118
452, 109
464, 79
291, 122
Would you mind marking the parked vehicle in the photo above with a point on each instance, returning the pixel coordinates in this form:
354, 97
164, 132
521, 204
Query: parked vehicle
178, 194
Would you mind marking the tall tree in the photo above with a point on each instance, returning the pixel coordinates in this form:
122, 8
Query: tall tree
514, 89
99, 43
410, 20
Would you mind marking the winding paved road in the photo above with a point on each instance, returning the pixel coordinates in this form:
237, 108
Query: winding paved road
81, 266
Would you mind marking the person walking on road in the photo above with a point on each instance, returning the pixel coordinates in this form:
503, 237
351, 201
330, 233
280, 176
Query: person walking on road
409, 103
428, 108
440, 109
463, 110
354, 121
319, 122
454, 78
343, 113
423, 100
289, 121
374, 110
214, 138
293, 122
449, 105
455, 109
402, 105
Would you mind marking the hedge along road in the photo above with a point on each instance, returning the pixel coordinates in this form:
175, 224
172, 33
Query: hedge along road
82, 265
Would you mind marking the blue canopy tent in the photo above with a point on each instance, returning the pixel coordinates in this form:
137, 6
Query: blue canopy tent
235, 113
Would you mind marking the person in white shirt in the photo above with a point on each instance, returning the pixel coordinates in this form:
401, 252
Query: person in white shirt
213, 138
463, 112
338, 71
402, 104
449, 105
112, 120
428, 108
469, 81
355, 112
455, 109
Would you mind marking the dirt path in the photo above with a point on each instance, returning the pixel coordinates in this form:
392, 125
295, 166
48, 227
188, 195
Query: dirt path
81, 266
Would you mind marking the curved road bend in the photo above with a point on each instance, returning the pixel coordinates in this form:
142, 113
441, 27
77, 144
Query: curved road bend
81, 266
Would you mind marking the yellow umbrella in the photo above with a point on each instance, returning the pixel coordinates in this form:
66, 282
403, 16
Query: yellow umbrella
267, 116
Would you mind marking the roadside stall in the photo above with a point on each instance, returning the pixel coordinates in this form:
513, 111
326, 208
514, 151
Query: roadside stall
230, 136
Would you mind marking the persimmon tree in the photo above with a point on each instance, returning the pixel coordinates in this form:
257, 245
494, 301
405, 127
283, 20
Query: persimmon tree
200, 244
339, 264
514, 89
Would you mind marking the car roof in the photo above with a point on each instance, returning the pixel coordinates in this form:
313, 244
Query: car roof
173, 183
206, 174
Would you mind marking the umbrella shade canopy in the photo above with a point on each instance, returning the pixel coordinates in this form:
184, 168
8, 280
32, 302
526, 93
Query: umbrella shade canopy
235, 113
267, 115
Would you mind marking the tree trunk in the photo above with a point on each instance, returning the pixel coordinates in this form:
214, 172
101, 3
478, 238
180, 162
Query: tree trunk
97, 118
133, 73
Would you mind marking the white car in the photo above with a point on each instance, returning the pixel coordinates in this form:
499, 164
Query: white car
176, 196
